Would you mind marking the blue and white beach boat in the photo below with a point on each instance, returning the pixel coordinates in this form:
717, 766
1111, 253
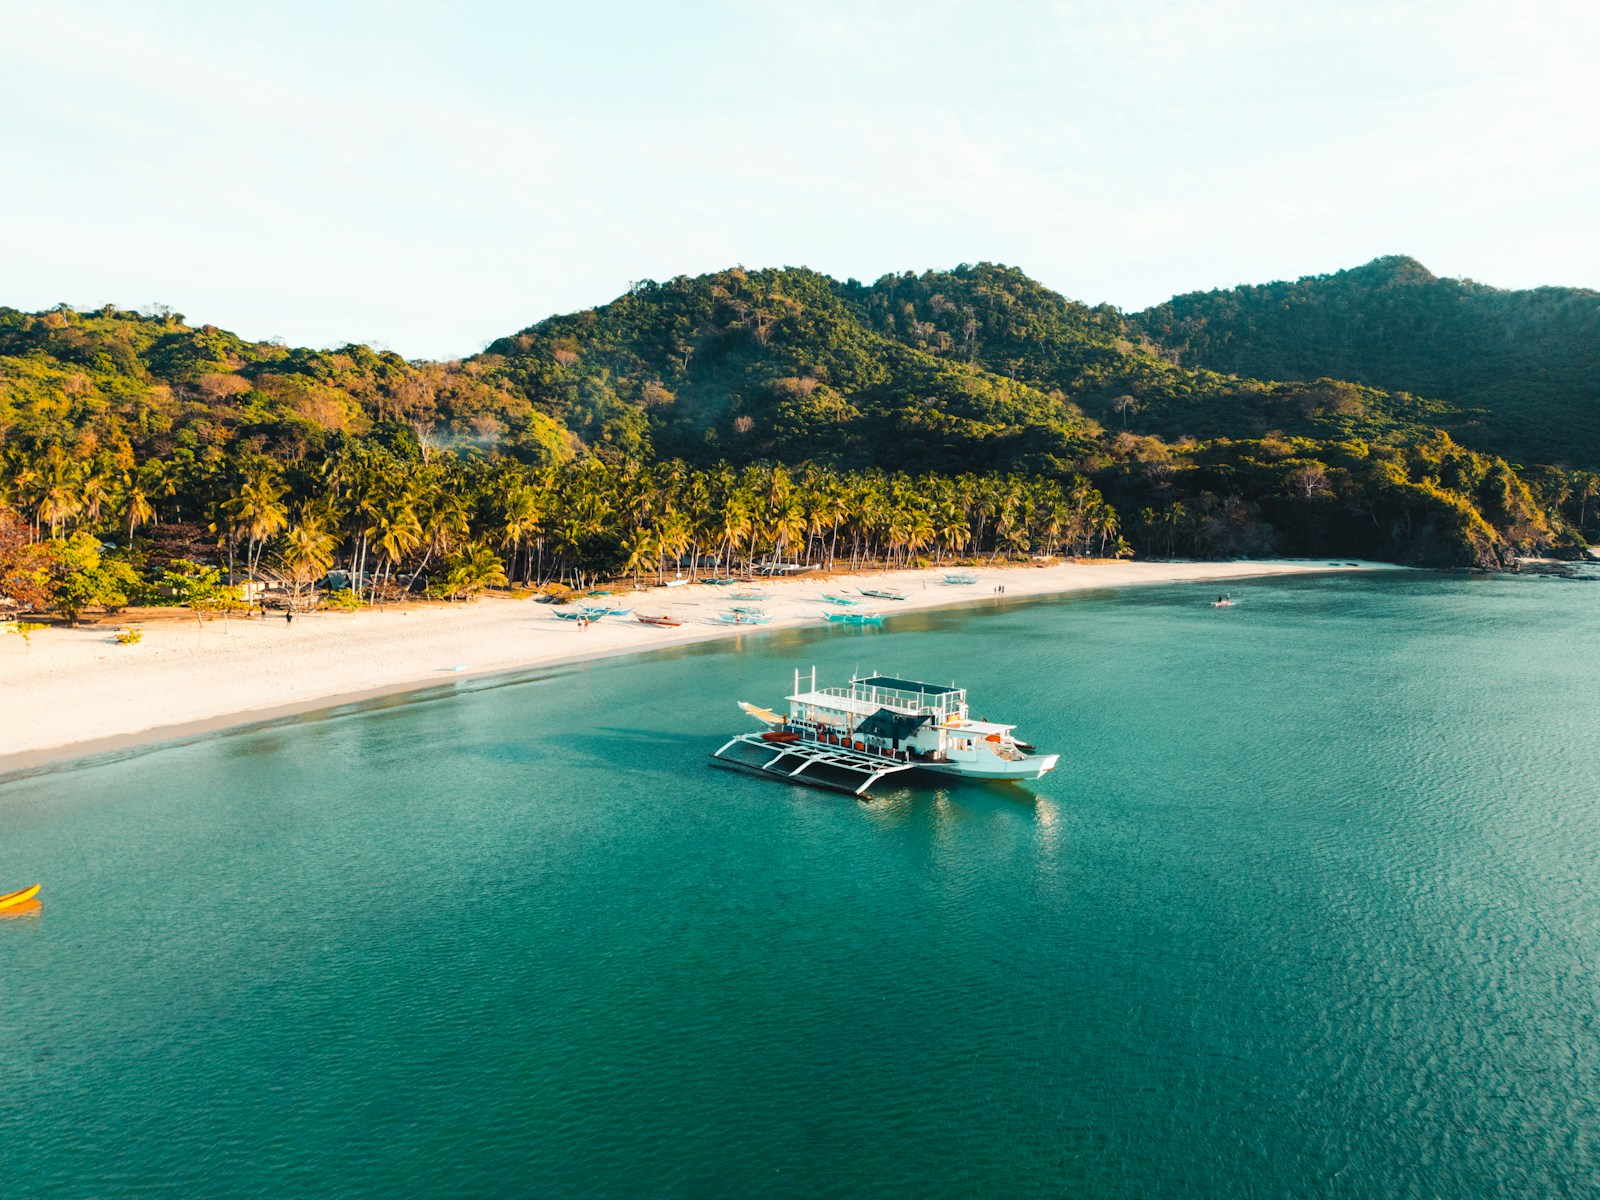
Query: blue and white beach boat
735, 617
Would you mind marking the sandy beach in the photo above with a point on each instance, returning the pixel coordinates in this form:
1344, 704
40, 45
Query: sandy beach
77, 691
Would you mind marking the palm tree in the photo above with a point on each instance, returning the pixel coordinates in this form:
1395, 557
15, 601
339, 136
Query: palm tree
137, 508
445, 523
307, 554
94, 493
472, 569
919, 530
396, 532
254, 515
950, 527
55, 485
673, 535
644, 552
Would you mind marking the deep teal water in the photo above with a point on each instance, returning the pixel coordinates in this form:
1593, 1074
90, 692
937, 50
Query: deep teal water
1311, 909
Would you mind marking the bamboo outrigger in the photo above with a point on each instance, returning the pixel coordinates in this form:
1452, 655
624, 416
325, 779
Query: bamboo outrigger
793, 759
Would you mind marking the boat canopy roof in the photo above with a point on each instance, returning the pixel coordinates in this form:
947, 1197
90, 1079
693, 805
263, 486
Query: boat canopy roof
907, 685
981, 728
886, 723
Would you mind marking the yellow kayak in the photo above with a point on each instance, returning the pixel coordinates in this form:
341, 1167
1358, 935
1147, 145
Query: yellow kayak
765, 715
22, 897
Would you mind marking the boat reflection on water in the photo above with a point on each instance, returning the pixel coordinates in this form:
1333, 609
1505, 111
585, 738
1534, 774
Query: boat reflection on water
28, 908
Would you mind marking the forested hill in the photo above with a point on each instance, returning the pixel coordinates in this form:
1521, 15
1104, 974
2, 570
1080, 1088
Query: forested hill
1522, 366
917, 392
979, 367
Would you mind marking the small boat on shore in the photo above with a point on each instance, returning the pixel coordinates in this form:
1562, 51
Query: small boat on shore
576, 615
854, 618
748, 596
600, 610
883, 594
848, 601
721, 581
664, 621
675, 581
743, 618
17, 898
961, 578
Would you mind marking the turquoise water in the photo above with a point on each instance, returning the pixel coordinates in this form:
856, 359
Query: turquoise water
1311, 909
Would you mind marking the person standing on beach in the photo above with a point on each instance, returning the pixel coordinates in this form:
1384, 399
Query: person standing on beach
288, 616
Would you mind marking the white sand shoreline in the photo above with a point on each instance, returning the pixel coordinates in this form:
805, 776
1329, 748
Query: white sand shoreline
75, 693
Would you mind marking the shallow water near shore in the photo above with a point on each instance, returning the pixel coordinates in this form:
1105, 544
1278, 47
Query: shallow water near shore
1311, 908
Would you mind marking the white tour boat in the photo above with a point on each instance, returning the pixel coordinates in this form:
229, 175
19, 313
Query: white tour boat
848, 738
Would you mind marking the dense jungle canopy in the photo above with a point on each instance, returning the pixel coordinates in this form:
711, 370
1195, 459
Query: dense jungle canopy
1378, 412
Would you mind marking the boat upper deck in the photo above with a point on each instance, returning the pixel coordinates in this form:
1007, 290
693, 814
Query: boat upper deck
866, 696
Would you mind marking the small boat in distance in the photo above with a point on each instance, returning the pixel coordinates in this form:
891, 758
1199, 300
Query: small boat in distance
664, 621
577, 615
675, 581
883, 594
848, 601
848, 738
749, 610
600, 610
961, 578
854, 618
721, 581
748, 596
16, 898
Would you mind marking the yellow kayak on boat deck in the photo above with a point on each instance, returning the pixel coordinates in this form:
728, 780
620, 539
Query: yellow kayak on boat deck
22, 897
765, 715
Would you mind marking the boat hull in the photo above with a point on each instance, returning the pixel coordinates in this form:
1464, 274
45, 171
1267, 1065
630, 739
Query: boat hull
15, 899
1033, 766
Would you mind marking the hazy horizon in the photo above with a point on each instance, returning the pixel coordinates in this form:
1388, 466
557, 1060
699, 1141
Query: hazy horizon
427, 182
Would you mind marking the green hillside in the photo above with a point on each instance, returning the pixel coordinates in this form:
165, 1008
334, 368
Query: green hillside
1518, 371
742, 413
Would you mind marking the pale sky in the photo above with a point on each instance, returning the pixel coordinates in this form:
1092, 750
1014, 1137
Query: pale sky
428, 177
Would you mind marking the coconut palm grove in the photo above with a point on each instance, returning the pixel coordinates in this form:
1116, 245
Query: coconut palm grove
754, 414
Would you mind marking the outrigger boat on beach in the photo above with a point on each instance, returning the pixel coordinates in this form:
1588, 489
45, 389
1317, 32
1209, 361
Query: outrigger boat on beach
961, 577
883, 594
846, 739
854, 618
743, 618
664, 621
847, 601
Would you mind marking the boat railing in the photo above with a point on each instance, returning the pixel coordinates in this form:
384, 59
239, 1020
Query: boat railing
840, 735
940, 707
